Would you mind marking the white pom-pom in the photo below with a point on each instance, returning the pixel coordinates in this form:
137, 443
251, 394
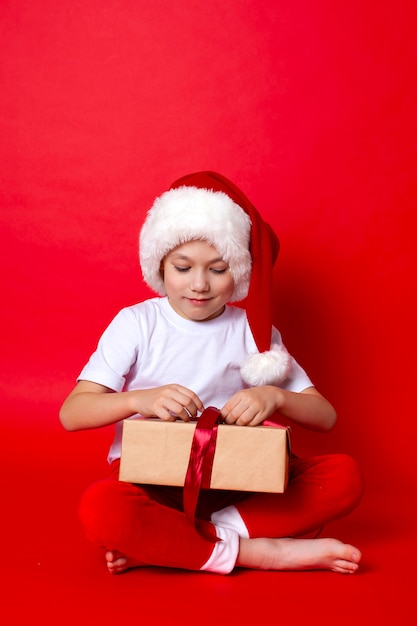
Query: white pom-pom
266, 368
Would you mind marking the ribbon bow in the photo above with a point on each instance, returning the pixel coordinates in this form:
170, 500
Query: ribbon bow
199, 469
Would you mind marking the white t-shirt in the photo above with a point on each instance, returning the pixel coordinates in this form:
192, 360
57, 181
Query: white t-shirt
149, 345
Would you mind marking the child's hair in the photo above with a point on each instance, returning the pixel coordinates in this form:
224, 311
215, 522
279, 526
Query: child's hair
207, 206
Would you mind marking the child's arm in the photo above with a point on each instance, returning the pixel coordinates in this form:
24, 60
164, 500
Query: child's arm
309, 408
90, 405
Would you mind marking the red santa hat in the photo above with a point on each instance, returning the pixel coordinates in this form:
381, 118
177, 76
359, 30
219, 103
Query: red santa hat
207, 206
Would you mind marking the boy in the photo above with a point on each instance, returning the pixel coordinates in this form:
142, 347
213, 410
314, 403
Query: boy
204, 245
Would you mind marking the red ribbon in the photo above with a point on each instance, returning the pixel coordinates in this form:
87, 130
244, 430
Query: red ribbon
199, 469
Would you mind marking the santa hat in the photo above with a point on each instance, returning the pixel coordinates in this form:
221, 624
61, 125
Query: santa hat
208, 206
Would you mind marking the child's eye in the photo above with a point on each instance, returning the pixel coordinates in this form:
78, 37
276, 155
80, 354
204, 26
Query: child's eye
216, 271
181, 269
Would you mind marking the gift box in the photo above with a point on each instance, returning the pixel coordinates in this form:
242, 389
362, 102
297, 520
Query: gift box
246, 458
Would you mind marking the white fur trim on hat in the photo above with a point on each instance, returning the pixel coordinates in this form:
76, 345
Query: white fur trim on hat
266, 368
189, 213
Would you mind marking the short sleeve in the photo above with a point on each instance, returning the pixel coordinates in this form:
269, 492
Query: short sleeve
116, 352
297, 379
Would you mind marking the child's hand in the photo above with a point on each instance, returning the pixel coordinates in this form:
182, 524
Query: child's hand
250, 407
168, 403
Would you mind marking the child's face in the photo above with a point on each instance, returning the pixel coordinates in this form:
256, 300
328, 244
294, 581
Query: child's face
197, 281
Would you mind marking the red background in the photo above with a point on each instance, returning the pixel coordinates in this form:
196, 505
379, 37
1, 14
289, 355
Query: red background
309, 107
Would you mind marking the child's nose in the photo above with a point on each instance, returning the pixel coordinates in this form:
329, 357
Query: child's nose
200, 282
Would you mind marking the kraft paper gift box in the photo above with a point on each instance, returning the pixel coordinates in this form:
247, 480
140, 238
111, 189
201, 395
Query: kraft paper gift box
247, 458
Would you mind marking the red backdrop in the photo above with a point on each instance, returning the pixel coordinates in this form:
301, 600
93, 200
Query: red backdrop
310, 107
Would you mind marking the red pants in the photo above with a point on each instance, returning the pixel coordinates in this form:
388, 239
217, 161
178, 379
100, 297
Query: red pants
147, 524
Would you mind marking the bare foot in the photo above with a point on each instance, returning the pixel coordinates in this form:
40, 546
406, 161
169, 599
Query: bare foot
118, 563
298, 554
